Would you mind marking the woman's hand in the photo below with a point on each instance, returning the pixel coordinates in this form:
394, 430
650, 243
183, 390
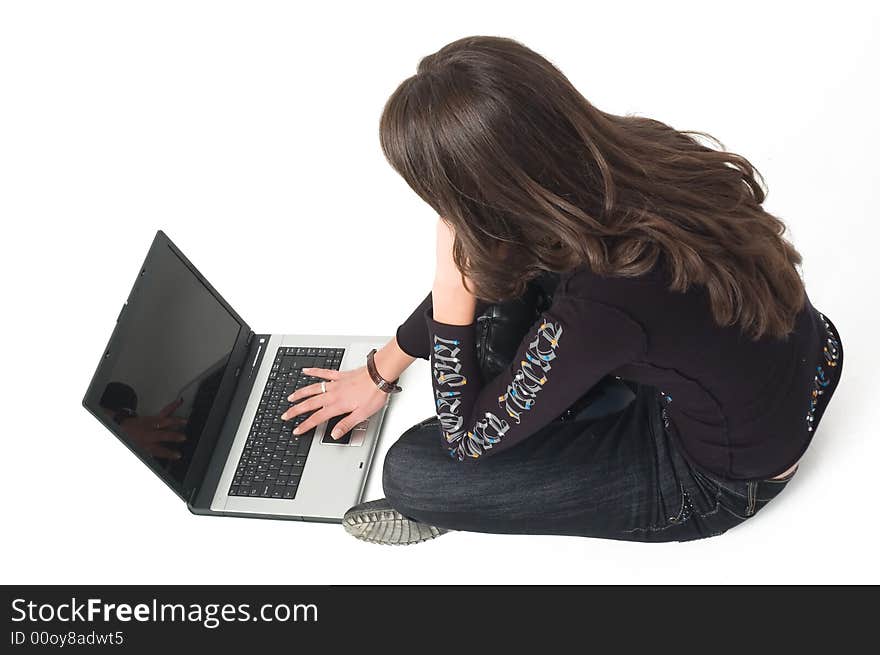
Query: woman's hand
348, 392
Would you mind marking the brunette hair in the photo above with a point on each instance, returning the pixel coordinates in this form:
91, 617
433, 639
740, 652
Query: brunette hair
502, 146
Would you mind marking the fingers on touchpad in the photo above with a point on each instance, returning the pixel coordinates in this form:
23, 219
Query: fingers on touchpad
354, 437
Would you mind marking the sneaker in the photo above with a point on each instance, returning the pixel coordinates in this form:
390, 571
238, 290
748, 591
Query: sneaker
378, 523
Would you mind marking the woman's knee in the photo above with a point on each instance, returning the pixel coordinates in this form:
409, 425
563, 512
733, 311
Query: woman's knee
408, 461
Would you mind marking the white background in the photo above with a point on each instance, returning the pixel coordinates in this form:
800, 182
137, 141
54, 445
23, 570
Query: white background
248, 131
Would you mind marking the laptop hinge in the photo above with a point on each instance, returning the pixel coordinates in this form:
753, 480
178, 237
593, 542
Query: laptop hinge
243, 378
246, 355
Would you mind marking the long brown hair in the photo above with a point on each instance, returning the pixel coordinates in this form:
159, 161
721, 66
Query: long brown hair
501, 145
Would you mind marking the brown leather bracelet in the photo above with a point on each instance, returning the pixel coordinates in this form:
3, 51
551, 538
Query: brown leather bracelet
382, 383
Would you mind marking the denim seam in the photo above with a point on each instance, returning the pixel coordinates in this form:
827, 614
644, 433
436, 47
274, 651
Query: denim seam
752, 491
767, 500
748, 484
658, 528
735, 493
673, 520
732, 513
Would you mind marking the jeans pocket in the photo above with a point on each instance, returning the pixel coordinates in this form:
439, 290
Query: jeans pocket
737, 497
744, 498
718, 508
769, 488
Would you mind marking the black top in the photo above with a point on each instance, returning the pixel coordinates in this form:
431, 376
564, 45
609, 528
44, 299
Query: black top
740, 408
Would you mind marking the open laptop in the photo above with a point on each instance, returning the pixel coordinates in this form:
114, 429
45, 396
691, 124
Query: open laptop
197, 396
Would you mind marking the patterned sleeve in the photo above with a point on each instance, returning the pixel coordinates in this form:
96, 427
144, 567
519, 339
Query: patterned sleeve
570, 348
412, 335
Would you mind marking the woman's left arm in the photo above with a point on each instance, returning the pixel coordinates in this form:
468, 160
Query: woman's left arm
566, 351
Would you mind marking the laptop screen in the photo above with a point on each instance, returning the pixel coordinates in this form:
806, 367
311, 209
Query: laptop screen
165, 364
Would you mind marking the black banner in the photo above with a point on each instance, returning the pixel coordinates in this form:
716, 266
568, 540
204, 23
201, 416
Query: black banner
264, 618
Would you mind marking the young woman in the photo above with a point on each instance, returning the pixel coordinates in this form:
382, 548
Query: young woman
671, 277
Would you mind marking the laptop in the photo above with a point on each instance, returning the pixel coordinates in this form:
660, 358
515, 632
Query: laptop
197, 396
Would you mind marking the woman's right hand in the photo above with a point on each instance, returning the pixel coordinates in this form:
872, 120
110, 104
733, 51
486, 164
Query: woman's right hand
350, 392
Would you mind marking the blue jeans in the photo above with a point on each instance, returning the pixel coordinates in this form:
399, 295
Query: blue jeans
610, 472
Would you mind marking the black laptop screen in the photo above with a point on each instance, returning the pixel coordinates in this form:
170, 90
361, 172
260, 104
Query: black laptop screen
167, 364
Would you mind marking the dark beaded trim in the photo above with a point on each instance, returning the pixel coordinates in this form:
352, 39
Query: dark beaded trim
686, 510
666, 398
831, 354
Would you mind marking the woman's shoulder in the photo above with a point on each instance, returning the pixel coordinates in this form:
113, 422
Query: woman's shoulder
583, 282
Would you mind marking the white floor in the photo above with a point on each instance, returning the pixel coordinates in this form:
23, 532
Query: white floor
250, 137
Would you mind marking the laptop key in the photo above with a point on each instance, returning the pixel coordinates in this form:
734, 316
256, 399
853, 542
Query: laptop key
273, 460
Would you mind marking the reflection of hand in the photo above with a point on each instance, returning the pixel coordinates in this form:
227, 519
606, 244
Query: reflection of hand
153, 434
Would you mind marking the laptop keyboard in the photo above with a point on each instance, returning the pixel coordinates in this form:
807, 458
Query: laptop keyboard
273, 459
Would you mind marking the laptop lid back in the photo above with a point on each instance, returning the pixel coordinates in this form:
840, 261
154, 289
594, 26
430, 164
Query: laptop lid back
164, 383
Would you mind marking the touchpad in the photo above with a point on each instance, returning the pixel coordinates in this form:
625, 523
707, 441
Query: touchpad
343, 440
354, 437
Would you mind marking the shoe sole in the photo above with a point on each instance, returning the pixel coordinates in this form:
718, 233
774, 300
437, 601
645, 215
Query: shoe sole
388, 527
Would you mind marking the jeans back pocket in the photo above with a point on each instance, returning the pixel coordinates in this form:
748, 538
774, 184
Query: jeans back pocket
768, 489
